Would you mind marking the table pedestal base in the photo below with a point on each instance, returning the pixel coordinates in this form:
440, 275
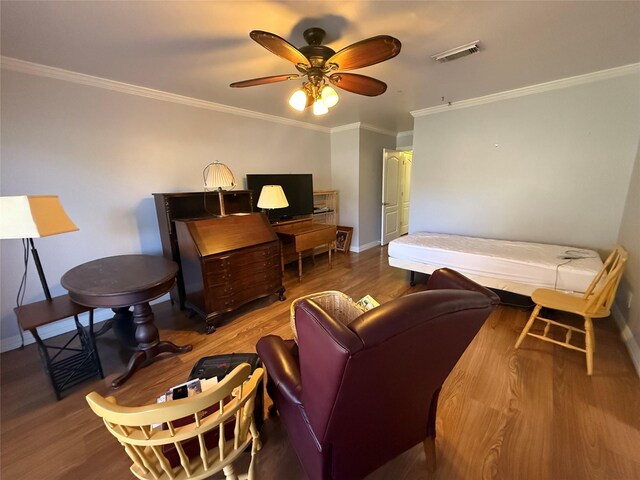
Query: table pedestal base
149, 345
123, 327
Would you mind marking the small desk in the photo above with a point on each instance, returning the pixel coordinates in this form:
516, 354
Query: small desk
120, 282
305, 235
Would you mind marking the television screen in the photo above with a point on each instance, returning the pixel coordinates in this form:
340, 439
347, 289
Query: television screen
298, 188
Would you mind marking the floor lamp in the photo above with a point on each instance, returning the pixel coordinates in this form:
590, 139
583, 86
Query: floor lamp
33, 216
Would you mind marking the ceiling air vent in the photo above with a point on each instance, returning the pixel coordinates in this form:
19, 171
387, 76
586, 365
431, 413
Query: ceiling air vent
457, 52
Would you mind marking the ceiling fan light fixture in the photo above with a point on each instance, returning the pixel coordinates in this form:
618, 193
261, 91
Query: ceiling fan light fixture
319, 108
298, 100
329, 96
319, 63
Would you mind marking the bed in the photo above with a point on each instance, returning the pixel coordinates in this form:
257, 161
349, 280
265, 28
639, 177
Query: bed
518, 267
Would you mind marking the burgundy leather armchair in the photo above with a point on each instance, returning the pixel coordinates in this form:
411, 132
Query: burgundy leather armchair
354, 397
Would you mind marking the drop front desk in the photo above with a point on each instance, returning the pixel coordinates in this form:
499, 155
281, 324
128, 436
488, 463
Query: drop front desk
228, 262
190, 206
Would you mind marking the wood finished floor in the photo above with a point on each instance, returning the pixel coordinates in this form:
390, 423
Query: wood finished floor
503, 414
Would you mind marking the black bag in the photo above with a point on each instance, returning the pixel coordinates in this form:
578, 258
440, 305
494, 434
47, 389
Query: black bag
220, 365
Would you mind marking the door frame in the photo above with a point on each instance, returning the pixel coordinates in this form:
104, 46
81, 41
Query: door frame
385, 238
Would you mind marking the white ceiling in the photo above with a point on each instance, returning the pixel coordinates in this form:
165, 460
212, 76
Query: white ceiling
197, 49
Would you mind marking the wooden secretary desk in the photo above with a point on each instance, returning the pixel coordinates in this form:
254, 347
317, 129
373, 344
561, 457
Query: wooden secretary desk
227, 262
189, 206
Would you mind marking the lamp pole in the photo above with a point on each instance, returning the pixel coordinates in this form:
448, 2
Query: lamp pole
43, 280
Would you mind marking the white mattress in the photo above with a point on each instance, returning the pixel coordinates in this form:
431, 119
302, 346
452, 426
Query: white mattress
519, 267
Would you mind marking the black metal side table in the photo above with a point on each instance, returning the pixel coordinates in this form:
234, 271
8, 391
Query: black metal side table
69, 364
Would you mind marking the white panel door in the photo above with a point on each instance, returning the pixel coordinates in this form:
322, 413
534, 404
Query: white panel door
405, 185
391, 177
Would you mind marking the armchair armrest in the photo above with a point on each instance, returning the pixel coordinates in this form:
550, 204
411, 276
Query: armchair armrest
282, 367
445, 278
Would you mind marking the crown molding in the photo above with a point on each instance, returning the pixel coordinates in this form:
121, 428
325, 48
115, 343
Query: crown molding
406, 133
36, 69
533, 89
344, 128
362, 126
373, 128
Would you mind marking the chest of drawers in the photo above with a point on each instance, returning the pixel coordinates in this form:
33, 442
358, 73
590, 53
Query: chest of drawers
228, 262
191, 206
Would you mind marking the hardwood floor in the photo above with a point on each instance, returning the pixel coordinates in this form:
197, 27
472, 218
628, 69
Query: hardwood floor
520, 414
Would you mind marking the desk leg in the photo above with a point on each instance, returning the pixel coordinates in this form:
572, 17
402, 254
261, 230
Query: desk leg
149, 344
329, 250
300, 266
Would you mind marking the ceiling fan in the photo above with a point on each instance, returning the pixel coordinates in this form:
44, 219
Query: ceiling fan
319, 63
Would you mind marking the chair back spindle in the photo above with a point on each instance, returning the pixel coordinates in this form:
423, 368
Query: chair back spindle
602, 291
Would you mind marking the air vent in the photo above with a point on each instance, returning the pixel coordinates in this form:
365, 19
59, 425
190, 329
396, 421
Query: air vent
457, 52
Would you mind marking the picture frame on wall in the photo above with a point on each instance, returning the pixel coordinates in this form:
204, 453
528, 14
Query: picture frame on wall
343, 238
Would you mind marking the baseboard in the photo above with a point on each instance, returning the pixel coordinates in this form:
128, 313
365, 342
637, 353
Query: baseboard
627, 337
58, 328
362, 248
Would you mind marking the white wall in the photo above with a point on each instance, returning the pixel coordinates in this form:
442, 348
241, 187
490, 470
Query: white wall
628, 316
404, 140
345, 164
104, 153
356, 170
551, 167
370, 207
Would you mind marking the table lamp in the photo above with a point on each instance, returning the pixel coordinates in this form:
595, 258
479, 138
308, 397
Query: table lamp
272, 196
218, 177
33, 216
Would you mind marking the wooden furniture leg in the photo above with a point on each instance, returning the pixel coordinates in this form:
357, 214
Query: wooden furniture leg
229, 472
300, 266
149, 345
528, 326
589, 343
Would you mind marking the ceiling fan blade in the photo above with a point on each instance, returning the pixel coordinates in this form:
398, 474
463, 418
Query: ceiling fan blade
279, 46
360, 84
264, 80
366, 52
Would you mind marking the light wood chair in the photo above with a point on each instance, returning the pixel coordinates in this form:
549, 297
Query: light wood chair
220, 418
596, 302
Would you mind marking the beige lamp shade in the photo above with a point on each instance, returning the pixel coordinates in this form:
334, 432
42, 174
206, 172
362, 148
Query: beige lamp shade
33, 216
272, 196
217, 176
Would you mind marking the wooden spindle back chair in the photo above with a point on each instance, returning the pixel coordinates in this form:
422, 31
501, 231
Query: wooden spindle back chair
147, 431
596, 302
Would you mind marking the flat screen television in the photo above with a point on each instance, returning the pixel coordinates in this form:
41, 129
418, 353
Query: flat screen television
298, 188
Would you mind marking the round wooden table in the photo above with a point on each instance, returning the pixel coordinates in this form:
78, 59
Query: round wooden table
120, 282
